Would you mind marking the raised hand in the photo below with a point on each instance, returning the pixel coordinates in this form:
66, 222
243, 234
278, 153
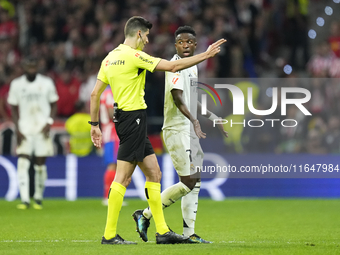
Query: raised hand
215, 48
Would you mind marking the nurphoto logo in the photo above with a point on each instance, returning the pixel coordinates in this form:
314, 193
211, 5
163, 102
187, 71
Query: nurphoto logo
238, 104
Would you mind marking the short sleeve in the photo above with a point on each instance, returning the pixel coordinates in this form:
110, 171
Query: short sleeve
175, 80
101, 74
52, 93
12, 95
145, 61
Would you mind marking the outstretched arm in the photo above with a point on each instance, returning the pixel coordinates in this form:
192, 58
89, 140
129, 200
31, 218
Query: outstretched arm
211, 116
178, 99
96, 134
180, 64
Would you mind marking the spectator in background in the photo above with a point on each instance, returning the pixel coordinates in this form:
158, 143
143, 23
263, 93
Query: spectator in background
87, 85
5, 112
332, 96
110, 140
8, 27
290, 138
80, 140
334, 70
8, 53
332, 138
234, 141
68, 88
314, 143
319, 100
297, 14
334, 38
321, 61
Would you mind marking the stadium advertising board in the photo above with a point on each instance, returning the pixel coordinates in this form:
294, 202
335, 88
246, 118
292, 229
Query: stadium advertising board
70, 177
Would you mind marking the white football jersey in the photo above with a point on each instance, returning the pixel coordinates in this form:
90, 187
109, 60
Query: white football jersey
173, 118
33, 100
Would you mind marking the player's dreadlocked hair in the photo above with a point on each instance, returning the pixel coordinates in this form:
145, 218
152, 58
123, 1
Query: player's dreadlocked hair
185, 29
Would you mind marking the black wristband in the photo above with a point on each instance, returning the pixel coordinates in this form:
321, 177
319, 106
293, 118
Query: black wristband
93, 123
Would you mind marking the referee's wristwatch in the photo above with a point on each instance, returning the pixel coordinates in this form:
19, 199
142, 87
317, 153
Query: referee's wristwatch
93, 123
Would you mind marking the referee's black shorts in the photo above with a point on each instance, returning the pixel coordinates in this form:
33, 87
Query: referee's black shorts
134, 143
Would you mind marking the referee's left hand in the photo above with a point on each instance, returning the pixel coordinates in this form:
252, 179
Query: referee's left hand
96, 136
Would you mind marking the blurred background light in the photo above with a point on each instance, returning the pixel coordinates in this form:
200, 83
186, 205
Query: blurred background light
269, 92
320, 21
287, 69
312, 34
328, 10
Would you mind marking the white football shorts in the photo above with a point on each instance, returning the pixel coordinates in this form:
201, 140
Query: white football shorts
186, 154
37, 144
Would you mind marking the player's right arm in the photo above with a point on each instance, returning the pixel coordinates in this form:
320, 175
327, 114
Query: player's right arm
15, 118
13, 101
180, 104
180, 64
96, 134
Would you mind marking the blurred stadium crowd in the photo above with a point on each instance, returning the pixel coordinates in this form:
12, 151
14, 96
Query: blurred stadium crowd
266, 38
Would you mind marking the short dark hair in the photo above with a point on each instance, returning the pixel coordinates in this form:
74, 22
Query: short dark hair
30, 60
185, 29
79, 106
136, 23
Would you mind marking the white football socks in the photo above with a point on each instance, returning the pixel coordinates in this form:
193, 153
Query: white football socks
170, 196
189, 210
23, 179
40, 177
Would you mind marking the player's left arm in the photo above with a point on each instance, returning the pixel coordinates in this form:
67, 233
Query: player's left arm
211, 116
52, 97
96, 134
47, 127
179, 102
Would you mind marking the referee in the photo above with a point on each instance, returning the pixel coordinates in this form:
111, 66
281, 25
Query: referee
124, 68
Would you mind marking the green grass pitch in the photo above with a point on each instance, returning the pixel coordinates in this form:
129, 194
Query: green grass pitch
236, 226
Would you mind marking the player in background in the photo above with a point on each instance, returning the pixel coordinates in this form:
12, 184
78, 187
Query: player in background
179, 129
33, 98
110, 140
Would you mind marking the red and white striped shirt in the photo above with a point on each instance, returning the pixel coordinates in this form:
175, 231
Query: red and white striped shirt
107, 125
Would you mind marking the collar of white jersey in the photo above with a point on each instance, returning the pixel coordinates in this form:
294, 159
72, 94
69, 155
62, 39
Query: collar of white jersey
177, 56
